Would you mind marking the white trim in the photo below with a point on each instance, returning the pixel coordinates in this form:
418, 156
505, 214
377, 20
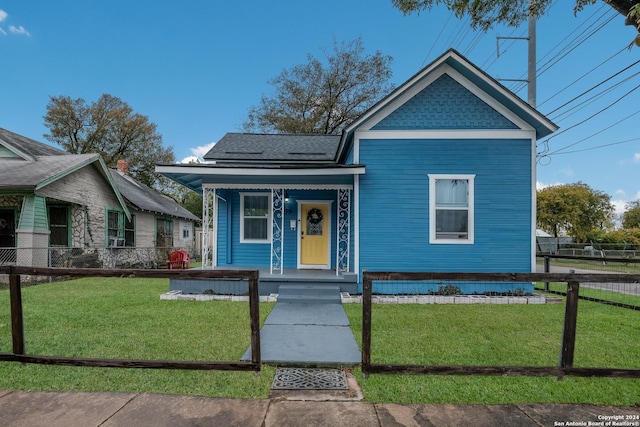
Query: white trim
244, 171
534, 204
403, 98
444, 134
328, 203
269, 218
432, 209
215, 214
265, 186
425, 73
356, 226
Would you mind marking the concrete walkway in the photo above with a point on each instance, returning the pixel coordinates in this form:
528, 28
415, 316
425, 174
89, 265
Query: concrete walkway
307, 328
47, 409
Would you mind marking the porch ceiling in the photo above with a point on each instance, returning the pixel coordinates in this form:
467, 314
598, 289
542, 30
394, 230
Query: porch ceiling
196, 176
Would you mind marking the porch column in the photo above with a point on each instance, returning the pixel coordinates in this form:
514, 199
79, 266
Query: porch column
209, 221
33, 233
343, 232
277, 230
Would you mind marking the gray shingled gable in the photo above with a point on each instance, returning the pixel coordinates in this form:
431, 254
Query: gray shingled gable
147, 199
26, 145
276, 148
16, 173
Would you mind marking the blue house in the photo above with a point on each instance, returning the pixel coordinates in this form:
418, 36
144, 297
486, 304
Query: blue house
437, 176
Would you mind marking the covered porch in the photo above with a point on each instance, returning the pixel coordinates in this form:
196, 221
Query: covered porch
284, 204
269, 282
283, 228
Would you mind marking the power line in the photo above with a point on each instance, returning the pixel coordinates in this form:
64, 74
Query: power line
437, 38
574, 30
581, 77
598, 95
597, 133
597, 147
589, 118
571, 49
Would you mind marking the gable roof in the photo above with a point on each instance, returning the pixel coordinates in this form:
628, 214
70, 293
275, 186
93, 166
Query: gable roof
26, 148
458, 67
36, 165
144, 198
274, 148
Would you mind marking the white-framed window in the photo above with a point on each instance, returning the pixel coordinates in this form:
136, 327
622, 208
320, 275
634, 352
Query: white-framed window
451, 209
255, 217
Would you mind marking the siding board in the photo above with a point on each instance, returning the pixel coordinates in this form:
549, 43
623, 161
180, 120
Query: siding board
394, 210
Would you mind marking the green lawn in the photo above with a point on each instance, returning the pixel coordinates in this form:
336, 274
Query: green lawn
521, 335
124, 318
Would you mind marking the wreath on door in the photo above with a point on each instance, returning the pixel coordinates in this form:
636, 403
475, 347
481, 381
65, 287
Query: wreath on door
314, 216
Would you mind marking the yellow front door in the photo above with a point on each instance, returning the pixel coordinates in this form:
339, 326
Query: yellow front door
314, 235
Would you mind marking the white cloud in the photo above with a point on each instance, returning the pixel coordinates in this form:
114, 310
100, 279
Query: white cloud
541, 185
191, 159
202, 150
19, 30
3, 15
620, 193
618, 206
636, 157
3, 32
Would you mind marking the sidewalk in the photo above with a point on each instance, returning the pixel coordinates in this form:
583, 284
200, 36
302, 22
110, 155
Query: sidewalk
49, 409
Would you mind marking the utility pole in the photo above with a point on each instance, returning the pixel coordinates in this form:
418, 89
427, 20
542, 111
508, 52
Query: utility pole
531, 69
531, 58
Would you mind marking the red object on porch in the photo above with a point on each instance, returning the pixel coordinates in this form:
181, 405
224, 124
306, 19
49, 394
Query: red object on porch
178, 260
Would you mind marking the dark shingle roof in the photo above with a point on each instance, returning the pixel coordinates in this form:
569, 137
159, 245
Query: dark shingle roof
277, 148
28, 146
147, 199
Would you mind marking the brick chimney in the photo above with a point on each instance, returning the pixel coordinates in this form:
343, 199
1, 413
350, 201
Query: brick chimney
123, 167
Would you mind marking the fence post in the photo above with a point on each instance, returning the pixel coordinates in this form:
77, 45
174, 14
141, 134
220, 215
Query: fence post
547, 268
17, 320
366, 323
254, 310
570, 322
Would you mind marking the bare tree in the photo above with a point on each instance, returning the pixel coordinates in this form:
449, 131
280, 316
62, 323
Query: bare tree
322, 97
111, 128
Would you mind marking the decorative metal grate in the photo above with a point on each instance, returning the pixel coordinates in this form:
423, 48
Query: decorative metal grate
309, 379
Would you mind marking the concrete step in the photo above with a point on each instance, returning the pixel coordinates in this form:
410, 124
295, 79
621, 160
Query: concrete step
309, 294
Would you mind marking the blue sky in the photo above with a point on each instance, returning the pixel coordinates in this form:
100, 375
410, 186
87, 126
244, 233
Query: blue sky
196, 67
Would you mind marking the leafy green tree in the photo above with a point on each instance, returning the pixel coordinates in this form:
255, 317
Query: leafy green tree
485, 14
322, 97
574, 210
111, 128
631, 216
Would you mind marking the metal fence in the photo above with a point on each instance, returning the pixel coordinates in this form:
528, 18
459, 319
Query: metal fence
621, 293
110, 257
565, 246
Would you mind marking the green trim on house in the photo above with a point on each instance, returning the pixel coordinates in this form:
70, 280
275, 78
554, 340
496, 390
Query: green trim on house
102, 168
33, 215
68, 224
